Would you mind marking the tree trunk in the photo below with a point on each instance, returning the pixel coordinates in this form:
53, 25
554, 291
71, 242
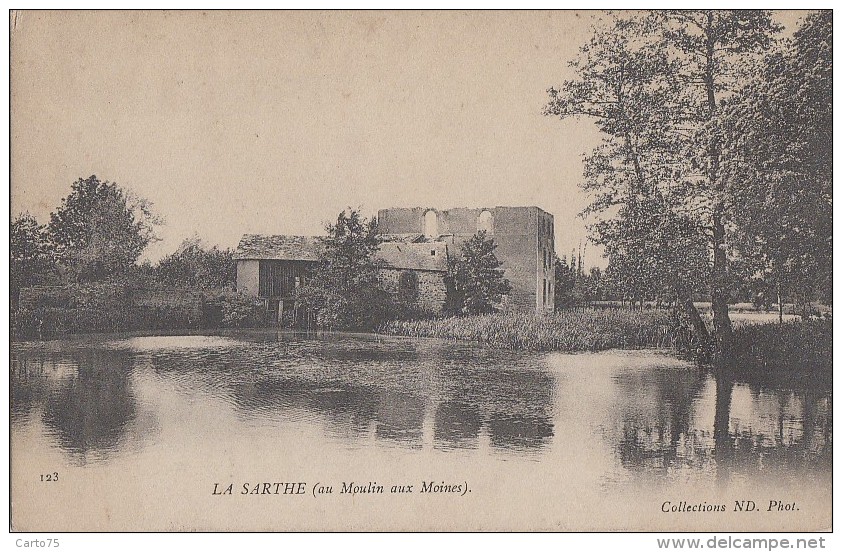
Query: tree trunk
719, 294
723, 446
780, 304
719, 277
699, 328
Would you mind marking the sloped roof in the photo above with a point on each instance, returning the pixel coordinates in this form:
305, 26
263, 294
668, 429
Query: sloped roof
392, 254
413, 256
284, 248
403, 238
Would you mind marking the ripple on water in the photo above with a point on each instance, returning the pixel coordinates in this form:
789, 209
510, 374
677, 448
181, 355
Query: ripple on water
172, 342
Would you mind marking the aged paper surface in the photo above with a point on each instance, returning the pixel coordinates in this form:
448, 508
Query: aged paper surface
235, 123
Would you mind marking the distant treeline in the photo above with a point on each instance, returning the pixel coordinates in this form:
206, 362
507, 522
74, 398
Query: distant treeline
97, 234
577, 287
80, 271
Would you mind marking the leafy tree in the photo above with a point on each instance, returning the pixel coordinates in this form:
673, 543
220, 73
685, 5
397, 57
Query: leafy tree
778, 135
594, 286
475, 280
654, 253
349, 250
195, 266
654, 83
100, 230
565, 280
30, 258
712, 49
626, 85
344, 291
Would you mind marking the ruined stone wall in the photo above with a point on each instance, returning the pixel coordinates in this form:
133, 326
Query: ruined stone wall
545, 296
523, 236
431, 290
515, 231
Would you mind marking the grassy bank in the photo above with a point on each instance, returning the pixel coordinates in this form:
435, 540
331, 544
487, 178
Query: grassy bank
795, 353
789, 354
587, 330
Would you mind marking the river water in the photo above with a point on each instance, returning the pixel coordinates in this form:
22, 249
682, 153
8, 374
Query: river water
164, 432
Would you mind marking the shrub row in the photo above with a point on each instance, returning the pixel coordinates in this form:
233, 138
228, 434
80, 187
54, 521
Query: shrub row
794, 353
114, 308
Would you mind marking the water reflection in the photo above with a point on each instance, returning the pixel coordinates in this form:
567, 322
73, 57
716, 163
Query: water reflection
90, 410
85, 398
656, 419
666, 425
398, 392
29, 382
363, 392
457, 424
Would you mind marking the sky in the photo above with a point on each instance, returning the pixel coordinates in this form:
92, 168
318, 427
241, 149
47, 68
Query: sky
273, 122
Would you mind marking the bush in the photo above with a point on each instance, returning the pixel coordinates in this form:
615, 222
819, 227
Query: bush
241, 311
792, 353
364, 308
108, 307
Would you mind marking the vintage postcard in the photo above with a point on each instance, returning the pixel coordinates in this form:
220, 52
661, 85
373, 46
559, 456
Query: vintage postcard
421, 271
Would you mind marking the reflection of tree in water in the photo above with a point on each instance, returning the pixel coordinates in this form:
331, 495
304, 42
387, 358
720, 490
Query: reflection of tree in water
658, 433
381, 387
511, 399
655, 414
799, 437
28, 385
89, 410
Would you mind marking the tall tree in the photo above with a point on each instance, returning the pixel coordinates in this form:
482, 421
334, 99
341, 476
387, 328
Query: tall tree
344, 291
653, 83
565, 280
349, 248
712, 51
626, 84
100, 230
778, 135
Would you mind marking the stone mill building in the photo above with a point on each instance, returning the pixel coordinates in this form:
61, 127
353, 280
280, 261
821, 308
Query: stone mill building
412, 259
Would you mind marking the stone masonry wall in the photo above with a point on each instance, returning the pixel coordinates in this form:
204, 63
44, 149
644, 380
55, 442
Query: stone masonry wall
515, 231
432, 291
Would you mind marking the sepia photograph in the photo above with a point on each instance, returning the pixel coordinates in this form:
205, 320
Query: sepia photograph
421, 271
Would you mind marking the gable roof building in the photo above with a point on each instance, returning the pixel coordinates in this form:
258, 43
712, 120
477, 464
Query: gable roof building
287, 248
413, 256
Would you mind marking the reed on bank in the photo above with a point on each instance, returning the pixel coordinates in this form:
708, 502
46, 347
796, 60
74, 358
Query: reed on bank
568, 330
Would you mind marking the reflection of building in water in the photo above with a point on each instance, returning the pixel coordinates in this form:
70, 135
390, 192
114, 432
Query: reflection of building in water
457, 423
437, 398
400, 417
